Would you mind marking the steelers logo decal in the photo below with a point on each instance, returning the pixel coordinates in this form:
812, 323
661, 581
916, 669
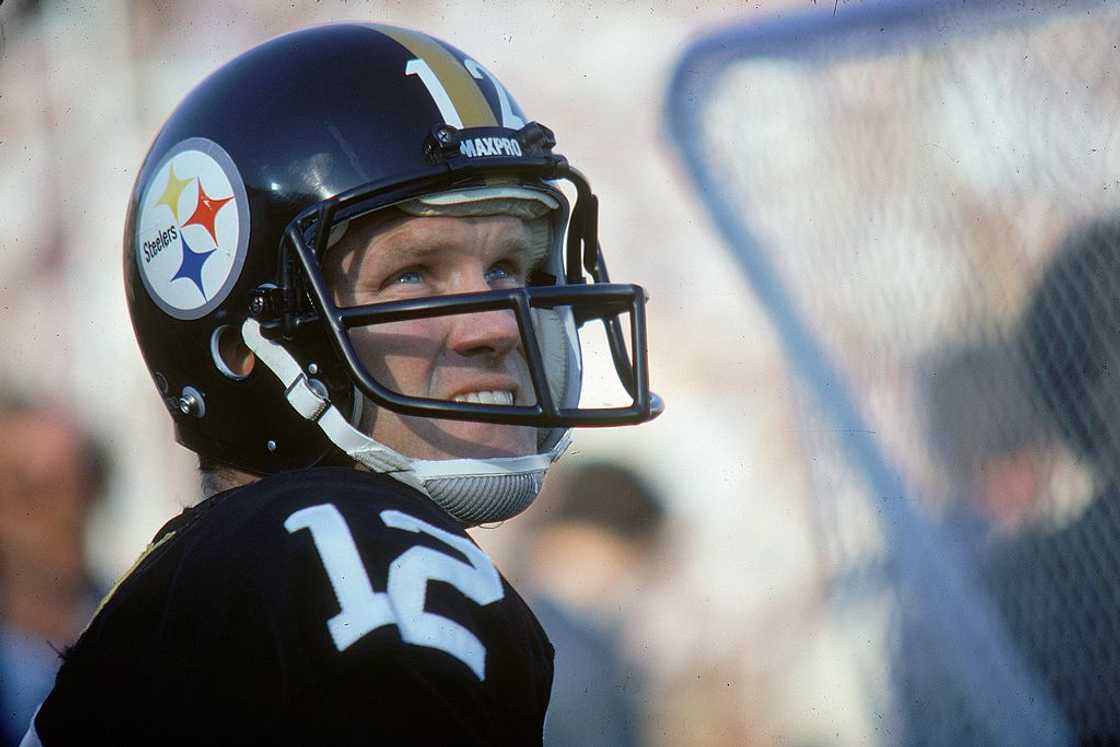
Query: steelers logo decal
193, 229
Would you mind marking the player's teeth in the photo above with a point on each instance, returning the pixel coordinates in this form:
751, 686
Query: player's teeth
496, 397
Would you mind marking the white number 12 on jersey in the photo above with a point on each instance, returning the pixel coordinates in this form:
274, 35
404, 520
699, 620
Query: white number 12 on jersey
402, 603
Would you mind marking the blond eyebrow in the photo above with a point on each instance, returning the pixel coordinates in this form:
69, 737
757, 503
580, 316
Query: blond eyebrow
398, 252
404, 251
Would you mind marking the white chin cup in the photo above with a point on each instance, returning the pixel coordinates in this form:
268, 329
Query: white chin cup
483, 491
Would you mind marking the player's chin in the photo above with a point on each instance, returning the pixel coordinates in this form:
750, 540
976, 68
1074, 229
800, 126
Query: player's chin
467, 440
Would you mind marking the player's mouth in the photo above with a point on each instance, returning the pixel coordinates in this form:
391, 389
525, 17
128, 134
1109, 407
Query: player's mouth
486, 397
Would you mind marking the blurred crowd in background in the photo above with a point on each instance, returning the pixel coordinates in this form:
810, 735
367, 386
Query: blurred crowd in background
52, 477
926, 197
686, 571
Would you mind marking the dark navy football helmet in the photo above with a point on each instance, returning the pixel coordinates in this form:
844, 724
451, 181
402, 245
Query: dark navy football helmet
234, 207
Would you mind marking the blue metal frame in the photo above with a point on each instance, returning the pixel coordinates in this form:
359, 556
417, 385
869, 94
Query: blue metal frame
973, 639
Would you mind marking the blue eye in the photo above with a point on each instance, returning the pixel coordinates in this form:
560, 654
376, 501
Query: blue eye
408, 277
501, 271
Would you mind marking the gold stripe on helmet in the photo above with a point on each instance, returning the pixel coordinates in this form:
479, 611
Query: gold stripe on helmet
462, 89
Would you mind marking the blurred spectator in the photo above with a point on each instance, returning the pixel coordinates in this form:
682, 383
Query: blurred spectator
996, 416
991, 443
989, 438
51, 476
1059, 589
594, 531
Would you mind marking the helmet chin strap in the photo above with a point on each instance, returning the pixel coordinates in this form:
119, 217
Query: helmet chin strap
474, 491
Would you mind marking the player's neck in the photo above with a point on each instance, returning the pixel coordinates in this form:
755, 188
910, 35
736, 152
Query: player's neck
221, 479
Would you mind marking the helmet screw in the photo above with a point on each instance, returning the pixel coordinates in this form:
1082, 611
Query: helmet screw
443, 135
271, 445
313, 368
256, 305
191, 402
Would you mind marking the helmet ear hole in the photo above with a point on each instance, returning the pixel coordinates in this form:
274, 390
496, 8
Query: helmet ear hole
232, 357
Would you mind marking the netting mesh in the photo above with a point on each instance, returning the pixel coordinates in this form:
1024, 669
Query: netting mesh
937, 193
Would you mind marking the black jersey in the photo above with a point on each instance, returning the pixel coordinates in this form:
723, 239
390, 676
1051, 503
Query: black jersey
328, 606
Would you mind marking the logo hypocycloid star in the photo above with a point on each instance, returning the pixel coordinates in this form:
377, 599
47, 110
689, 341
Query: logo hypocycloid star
193, 229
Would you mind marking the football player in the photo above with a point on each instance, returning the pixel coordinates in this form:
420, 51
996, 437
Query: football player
356, 272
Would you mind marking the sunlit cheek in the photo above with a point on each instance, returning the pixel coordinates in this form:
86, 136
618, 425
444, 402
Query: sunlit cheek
400, 355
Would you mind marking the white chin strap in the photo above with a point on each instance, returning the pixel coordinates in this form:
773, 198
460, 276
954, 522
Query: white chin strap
474, 491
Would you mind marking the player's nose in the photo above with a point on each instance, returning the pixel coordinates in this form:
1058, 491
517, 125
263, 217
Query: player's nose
488, 332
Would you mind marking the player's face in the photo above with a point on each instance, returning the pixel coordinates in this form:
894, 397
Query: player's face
462, 357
